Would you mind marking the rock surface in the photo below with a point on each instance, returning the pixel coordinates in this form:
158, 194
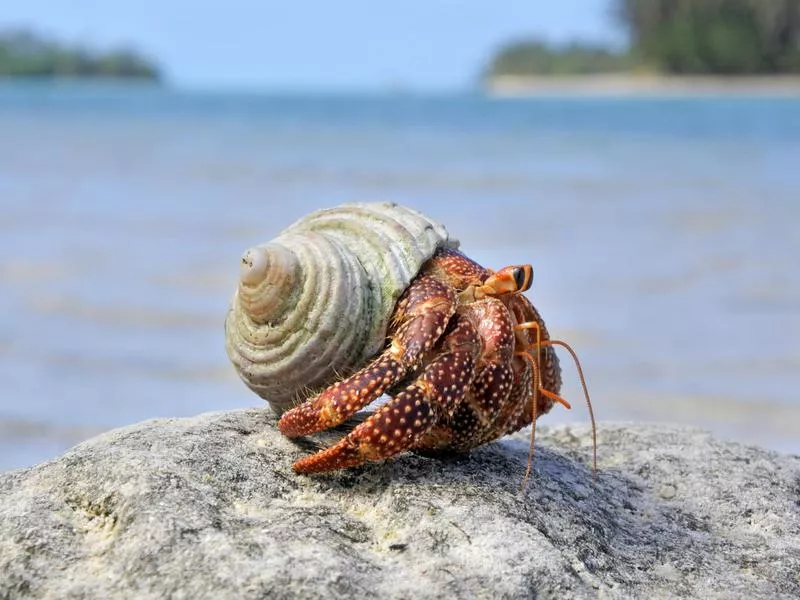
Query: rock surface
208, 507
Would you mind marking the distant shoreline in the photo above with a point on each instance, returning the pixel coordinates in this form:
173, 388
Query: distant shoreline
79, 80
624, 84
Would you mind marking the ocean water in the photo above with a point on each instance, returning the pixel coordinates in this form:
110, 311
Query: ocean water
664, 235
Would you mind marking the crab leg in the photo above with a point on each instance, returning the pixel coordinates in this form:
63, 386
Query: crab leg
401, 422
488, 396
473, 416
420, 318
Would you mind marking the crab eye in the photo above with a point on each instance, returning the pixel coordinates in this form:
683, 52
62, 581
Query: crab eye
519, 277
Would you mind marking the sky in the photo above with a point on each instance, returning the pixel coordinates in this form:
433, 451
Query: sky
296, 44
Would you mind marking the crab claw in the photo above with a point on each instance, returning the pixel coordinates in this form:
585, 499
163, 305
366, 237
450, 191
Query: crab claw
333, 406
400, 423
394, 428
423, 313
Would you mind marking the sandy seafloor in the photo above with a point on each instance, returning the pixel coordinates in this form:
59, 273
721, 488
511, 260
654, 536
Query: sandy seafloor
663, 233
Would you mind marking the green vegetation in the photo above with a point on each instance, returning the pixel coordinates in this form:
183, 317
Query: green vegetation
24, 54
728, 37
521, 59
686, 37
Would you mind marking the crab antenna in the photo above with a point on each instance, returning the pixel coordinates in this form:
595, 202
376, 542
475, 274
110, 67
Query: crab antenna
535, 325
539, 344
585, 393
534, 415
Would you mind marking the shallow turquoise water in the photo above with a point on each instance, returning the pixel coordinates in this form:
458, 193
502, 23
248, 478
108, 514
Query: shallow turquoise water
663, 233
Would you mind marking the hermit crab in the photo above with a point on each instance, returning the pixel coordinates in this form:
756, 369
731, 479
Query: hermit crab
362, 300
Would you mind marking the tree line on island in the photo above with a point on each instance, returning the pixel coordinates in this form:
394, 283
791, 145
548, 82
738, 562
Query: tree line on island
25, 54
680, 37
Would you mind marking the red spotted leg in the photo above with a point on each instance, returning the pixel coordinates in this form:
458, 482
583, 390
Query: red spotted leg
477, 413
401, 422
499, 389
510, 282
420, 318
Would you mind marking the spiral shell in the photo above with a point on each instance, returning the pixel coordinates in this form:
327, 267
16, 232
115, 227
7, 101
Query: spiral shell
315, 302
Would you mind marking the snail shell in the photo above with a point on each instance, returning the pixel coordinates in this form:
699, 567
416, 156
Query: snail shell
315, 302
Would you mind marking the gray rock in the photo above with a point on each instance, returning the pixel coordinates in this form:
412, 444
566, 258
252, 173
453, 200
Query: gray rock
208, 507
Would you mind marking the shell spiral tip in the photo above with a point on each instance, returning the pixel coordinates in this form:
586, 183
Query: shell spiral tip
317, 299
253, 266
